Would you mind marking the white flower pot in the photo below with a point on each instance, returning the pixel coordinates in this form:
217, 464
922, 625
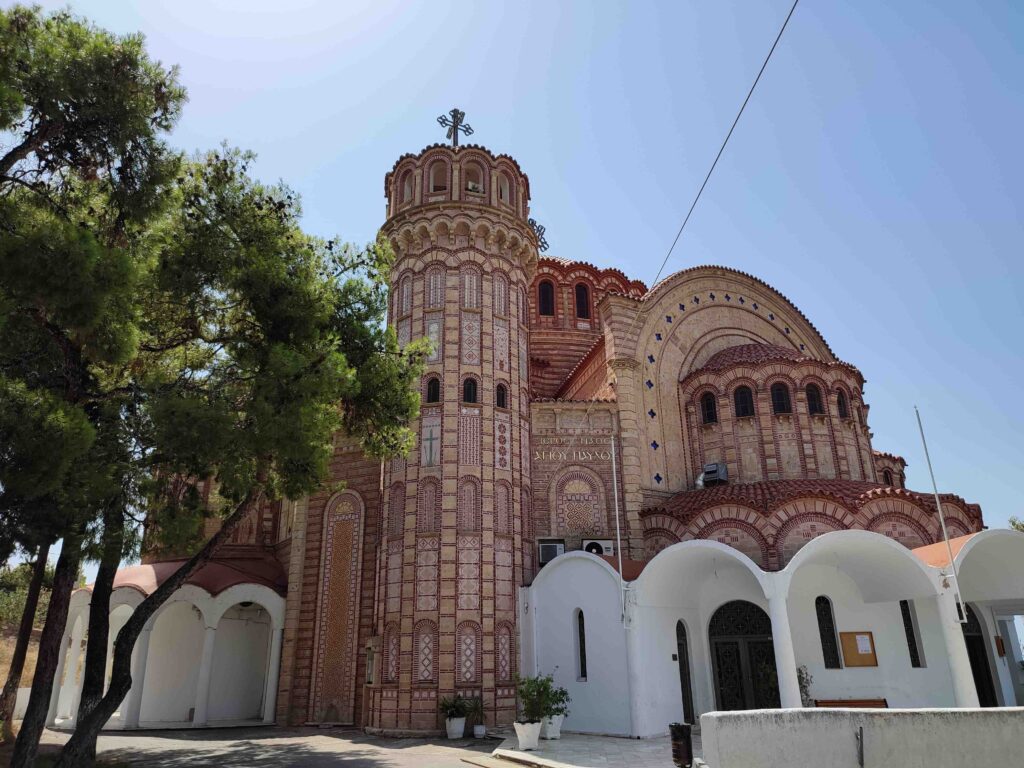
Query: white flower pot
479, 731
551, 727
456, 727
528, 735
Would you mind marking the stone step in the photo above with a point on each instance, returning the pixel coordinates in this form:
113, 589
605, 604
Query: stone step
486, 761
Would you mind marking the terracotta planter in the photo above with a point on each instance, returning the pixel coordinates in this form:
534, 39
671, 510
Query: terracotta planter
551, 727
528, 735
456, 727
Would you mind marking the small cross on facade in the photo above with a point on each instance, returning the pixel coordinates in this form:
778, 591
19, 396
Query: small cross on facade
454, 122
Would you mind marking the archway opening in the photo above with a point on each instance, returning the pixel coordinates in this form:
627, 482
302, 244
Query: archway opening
685, 682
239, 671
172, 666
974, 637
743, 657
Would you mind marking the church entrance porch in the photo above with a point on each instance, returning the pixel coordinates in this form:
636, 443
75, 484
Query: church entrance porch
743, 657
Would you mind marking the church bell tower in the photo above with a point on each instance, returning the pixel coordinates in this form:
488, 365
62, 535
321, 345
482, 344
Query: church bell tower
456, 510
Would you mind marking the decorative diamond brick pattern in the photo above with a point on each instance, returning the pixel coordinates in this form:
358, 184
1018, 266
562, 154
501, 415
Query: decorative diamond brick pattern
469, 437
428, 550
468, 593
470, 338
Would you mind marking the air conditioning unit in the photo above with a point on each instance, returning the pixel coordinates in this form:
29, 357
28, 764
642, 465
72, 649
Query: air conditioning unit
599, 546
473, 186
549, 550
713, 474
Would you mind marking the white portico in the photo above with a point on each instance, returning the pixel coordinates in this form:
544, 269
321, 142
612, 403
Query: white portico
209, 656
706, 629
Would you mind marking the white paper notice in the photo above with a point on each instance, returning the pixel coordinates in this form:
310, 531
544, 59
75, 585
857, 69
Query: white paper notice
864, 645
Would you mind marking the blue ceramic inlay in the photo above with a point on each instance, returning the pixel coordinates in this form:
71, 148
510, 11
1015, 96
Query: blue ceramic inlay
657, 479
651, 413
654, 445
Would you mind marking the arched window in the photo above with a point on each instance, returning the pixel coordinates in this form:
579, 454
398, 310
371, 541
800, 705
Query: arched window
546, 298
474, 178
468, 512
467, 650
580, 631
470, 279
780, 398
433, 390
405, 296
428, 511
582, 301
435, 287
827, 632
469, 390
842, 405
500, 295
504, 188
814, 402
407, 186
439, 176
501, 396
743, 399
708, 408
887, 477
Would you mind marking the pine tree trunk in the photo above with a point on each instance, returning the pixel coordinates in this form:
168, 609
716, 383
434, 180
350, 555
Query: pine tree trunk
50, 648
95, 672
78, 751
28, 616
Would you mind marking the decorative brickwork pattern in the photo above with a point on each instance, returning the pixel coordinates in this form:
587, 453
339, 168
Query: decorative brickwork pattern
503, 669
469, 436
428, 509
467, 648
470, 338
468, 594
435, 333
502, 441
503, 574
428, 550
426, 652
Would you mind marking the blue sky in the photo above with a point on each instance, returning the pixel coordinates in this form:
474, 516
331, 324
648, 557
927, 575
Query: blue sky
874, 178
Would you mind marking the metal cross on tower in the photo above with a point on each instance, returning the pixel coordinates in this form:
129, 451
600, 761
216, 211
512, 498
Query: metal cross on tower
454, 122
542, 243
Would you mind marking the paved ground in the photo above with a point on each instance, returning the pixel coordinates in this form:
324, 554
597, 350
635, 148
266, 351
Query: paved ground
259, 747
600, 751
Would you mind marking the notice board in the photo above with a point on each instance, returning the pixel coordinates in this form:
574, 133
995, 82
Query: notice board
858, 649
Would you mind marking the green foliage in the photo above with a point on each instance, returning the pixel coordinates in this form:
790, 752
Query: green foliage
14, 581
454, 706
475, 709
539, 697
1017, 524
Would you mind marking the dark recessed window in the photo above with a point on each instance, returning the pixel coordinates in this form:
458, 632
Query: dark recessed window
581, 646
744, 401
827, 632
910, 630
708, 408
501, 396
469, 391
582, 301
887, 477
546, 298
814, 403
434, 390
842, 405
780, 398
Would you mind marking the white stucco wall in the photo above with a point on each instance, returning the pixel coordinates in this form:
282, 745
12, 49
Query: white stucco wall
600, 704
173, 665
894, 679
825, 738
239, 671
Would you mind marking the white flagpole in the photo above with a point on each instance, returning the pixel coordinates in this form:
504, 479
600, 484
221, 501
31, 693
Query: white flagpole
960, 612
618, 535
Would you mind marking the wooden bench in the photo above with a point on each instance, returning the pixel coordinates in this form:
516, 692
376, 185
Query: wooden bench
853, 703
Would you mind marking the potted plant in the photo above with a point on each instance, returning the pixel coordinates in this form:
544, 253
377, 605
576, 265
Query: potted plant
475, 713
454, 710
557, 709
534, 695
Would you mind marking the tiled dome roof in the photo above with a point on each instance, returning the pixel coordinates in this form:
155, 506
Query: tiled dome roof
751, 354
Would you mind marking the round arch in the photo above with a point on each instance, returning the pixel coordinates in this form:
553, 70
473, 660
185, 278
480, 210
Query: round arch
577, 501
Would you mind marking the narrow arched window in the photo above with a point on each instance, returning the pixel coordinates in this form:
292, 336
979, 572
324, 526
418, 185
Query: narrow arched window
581, 646
407, 187
546, 298
500, 295
780, 398
842, 405
474, 179
439, 177
501, 396
582, 301
743, 399
435, 287
469, 391
814, 402
887, 477
827, 632
504, 188
433, 390
708, 408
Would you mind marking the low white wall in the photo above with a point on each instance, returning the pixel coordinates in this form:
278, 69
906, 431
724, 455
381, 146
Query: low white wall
824, 738
600, 704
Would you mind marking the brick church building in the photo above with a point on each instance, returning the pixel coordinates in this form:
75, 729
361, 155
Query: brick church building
562, 404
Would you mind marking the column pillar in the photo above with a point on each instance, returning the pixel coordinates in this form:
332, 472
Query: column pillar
782, 639
273, 669
964, 691
70, 690
55, 693
133, 702
203, 686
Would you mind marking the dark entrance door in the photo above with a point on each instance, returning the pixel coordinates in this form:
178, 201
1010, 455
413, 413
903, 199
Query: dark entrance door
743, 657
683, 654
974, 637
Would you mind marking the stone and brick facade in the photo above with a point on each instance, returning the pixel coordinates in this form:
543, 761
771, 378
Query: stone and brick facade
402, 588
